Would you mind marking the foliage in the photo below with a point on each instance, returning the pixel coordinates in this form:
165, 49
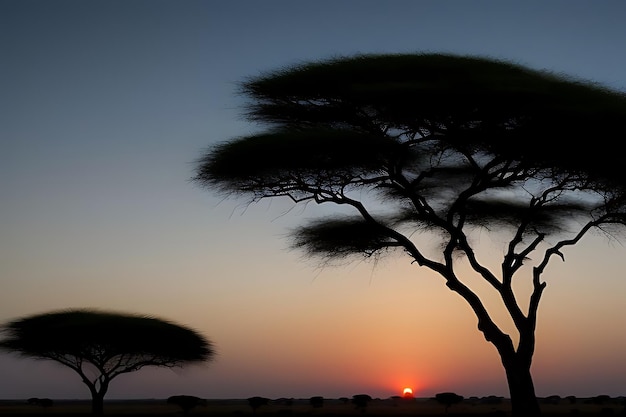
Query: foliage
104, 344
42, 402
448, 399
316, 401
186, 402
257, 402
434, 147
361, 401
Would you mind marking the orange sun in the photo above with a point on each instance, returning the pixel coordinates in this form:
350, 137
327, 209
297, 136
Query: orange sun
407, 392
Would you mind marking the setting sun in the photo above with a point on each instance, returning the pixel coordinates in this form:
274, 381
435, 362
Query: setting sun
407, 392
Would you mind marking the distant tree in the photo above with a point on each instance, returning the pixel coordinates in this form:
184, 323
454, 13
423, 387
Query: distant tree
284, 401
491, 400
416, 148
361, 401
552, 399
99, 346
601, 399
316, 401
186, 402
448, 399
257, 402
42, 402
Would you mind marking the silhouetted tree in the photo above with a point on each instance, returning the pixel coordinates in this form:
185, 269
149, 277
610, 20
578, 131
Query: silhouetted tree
448, 399
601, 399
42, 402
186, 402
491, 400
361, 401
256, 402
422, 146
316, 401
552, 399
99, 345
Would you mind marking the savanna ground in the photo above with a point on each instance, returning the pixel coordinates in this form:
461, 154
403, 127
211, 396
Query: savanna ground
301, 407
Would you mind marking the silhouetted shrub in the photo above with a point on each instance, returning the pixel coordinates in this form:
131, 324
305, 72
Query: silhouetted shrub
360, 401
316, 401
186, 402
42, 402
552, 399
600, 399
256, 402
396, 399
492, 400
448, 399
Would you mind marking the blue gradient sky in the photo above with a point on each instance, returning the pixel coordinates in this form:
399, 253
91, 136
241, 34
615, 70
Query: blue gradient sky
105, 106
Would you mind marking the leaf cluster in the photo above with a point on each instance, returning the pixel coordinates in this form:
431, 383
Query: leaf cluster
100, 336
444, 142
495, 104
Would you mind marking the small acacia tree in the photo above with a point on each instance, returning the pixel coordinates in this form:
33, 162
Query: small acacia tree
100, 345
444, 147
448, 399
186, 402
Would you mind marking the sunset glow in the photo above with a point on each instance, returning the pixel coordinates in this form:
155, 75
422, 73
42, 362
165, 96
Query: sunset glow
108, 106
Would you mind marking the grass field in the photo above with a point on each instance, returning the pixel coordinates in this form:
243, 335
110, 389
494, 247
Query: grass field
301, 407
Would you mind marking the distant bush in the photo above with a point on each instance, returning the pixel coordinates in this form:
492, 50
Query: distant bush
256, 402
284, 401
448, 399
492, 400
552, 399
42, 402
360, 401
186, 402
396, 400
316, 401
601, 399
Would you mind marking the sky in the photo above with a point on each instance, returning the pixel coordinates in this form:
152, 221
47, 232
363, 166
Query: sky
105, 108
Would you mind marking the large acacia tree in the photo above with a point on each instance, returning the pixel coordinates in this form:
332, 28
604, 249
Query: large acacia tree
101, 345
440, 145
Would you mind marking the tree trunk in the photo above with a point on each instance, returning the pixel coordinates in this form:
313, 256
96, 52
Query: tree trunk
98, 389
97, 404
516, 363
97, 398
524, 402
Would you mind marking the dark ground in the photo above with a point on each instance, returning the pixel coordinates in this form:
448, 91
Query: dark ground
425, 407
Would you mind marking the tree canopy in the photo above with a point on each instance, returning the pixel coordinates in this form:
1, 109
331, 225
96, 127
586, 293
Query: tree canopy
481, 104
443, 145
427, 125
101, 345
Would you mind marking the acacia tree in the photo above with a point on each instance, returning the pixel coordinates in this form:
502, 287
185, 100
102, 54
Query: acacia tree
441, 146
99, 345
